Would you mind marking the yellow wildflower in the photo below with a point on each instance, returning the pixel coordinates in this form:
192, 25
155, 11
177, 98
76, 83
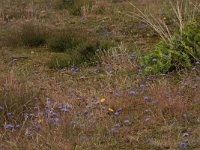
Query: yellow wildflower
102, 100
110, 109
40, 120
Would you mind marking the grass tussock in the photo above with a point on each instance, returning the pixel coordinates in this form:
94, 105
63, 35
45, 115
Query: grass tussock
77, 49
27, 35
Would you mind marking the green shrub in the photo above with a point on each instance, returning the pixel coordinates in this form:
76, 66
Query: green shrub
63, 41
32, 36
85, 53
182, 54
57, 44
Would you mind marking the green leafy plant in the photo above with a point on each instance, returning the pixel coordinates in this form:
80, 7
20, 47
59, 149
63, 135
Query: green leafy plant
181, 54
57, 44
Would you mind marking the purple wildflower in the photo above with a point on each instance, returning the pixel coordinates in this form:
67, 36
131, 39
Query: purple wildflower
118, 94
1, 108
114, 130
148, 140
48, 121
103, 107
146, 98
185, 134
132, 57
142, 85
35, 108
54, 114
9, 126
9, 114
117, 113
78, 113
119, 109
117, 125
38, 126
18, 126
35, 99
26, 115
40, 113
183, 145
64, 109
56, 121
97, 102
132, 92
142, 66
47, 111
89, 106
165, 56
126, 121
48, 101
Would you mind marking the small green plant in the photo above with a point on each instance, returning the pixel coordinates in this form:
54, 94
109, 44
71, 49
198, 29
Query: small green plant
181, 54
86, 53
57, 44
59, 61
32, 36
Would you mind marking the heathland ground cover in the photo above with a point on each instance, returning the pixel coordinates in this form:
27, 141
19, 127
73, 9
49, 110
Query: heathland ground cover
99, 74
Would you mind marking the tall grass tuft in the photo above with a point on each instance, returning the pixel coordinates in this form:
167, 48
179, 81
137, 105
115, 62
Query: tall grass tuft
184, 10
16, 99
32, 36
